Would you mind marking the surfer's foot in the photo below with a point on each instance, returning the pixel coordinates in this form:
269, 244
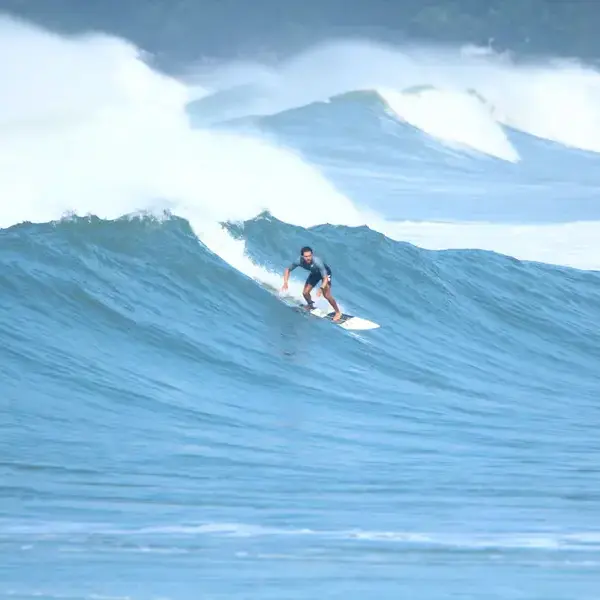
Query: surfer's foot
337, 316
309, 306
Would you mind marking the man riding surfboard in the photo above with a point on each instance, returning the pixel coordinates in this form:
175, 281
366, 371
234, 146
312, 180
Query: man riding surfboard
319, 271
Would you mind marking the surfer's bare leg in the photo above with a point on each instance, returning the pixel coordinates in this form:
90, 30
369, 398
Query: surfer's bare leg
306, 293
327, 293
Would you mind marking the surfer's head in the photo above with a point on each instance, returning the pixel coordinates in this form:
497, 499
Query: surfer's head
307, 254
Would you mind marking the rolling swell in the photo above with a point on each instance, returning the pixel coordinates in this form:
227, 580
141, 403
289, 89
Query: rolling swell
156, 399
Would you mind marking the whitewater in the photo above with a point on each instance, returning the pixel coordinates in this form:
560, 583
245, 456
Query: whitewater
169, 428
87, 113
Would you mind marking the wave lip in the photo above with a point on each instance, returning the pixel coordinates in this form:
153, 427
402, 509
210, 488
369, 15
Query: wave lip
453, 117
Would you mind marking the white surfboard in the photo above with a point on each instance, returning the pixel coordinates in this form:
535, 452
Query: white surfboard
346, 321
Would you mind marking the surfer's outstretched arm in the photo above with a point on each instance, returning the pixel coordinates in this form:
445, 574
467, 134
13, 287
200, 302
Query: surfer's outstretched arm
286, 274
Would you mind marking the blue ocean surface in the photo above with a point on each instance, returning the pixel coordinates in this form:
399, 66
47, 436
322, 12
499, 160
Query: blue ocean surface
171, 428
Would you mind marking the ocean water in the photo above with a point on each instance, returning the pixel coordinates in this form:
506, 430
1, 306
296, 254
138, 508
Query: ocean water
171, 429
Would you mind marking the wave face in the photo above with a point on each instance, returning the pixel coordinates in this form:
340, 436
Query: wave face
171, 429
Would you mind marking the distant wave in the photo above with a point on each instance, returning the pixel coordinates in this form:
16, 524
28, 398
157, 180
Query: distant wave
529, 97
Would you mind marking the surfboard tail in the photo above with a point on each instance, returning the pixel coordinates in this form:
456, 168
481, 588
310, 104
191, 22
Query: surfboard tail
346, 321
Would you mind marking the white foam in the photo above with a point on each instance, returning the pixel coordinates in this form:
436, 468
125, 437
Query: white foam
454, 117
547, 540
88, 127
569, 244
558, 101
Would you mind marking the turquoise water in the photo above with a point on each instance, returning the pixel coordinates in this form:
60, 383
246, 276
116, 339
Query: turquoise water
169, 428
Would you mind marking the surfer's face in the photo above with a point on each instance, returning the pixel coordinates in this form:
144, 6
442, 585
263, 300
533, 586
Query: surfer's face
307, 256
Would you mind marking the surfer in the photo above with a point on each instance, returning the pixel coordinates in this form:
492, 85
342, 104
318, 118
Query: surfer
319, 271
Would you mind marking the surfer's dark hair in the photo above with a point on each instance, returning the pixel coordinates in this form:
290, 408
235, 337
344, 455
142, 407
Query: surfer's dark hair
306, 249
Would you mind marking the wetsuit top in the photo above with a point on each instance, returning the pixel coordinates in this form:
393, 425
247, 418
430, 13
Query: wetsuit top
316, 267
